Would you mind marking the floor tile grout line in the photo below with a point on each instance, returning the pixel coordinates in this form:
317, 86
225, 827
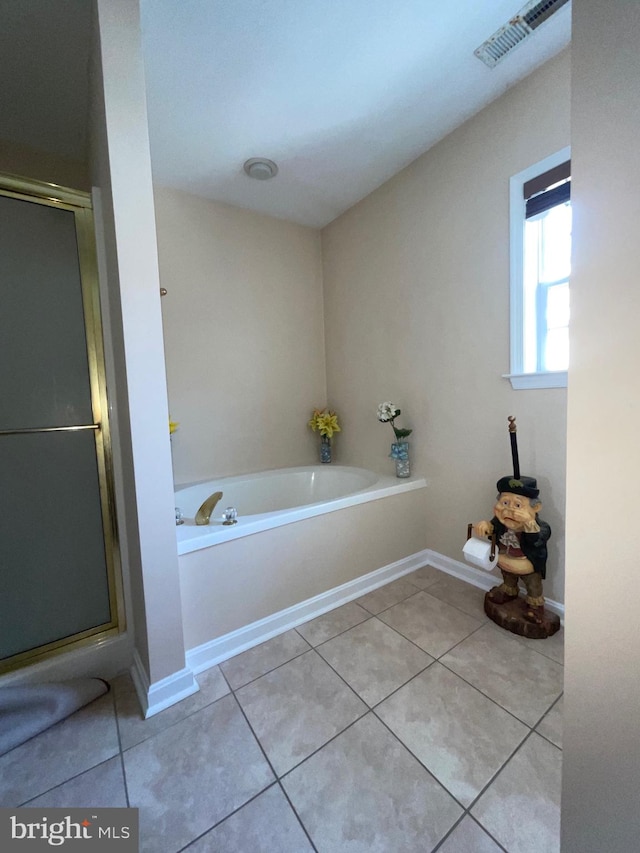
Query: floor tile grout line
467, 814
495, 701
491, 699
549, 709
408, 639
186, 716
226, 817
367, 618
463, 640
420, 762
484, 829
278, 778
499, 771
331, 739
542, 654
384, 609
382, 622
502, 768
275, 781
257, 739
450, 832
548, 739
362, 699
522, 641
355, 693
25, 803
120, 749
438, 660
520, 638
226, 680
435, 597
315, 645
467, 809
295, 811
273, 669
117, 754
404, 684
437, 657
486, 695
447, 577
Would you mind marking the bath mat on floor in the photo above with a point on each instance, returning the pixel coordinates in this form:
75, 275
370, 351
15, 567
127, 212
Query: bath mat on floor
28, 709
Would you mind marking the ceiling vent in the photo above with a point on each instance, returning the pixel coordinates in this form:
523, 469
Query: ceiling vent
520, 27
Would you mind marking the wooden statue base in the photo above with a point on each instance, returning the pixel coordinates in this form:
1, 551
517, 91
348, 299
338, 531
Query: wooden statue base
510, 616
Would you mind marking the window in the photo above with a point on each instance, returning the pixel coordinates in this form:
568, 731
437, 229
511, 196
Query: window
540, 270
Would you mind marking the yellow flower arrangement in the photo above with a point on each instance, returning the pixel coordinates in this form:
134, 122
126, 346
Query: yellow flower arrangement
324, 422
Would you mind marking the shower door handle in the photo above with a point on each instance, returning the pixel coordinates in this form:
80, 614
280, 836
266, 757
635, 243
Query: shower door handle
49, 429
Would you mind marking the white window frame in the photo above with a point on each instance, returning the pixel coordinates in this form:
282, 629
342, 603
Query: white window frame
517, 214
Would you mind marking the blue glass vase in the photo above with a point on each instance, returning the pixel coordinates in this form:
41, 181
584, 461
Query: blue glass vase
400, 452
325, 448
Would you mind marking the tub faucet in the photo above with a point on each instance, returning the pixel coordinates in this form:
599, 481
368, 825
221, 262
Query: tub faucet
204, 513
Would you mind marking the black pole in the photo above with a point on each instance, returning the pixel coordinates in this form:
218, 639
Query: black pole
514, 447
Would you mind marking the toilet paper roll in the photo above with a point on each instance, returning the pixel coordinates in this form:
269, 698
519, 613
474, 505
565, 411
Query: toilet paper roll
478, 553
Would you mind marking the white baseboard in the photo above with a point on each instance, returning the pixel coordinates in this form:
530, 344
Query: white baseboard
222, 648
162, 694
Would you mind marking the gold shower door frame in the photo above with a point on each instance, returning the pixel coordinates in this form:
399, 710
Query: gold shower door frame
79, 203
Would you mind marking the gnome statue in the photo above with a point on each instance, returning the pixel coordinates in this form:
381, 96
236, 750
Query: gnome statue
521, 539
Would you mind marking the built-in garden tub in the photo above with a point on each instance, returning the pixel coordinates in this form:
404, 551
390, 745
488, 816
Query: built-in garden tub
306, 540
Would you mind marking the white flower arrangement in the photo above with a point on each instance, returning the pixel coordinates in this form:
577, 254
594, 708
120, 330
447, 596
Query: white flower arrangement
387, 413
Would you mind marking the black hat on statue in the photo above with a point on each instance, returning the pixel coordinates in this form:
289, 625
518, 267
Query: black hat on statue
515, 484
525, 486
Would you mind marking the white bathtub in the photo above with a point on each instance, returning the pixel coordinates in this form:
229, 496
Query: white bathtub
323, 535
273, 498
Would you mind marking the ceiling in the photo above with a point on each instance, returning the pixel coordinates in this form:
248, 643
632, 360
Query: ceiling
341, 94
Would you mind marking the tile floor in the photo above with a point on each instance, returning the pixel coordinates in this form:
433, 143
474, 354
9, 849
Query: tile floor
402, 721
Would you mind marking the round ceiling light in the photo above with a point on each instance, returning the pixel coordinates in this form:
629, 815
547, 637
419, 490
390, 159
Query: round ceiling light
260, 168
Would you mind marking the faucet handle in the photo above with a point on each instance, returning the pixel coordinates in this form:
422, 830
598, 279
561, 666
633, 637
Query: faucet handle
230, 515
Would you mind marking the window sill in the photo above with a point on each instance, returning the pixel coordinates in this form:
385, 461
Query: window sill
525, 381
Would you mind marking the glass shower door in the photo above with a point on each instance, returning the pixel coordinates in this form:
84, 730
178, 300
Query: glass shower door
58, 582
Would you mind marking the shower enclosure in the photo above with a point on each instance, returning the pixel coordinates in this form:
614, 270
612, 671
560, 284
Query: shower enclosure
60, 581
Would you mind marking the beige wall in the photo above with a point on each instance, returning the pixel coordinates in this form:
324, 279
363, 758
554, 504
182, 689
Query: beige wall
416, 282
601, 733
243, 333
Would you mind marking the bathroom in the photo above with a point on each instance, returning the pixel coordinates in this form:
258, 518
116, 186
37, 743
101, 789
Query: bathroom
265, 319
360, 325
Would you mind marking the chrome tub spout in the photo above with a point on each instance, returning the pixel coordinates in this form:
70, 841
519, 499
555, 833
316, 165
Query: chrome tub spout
204, 513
